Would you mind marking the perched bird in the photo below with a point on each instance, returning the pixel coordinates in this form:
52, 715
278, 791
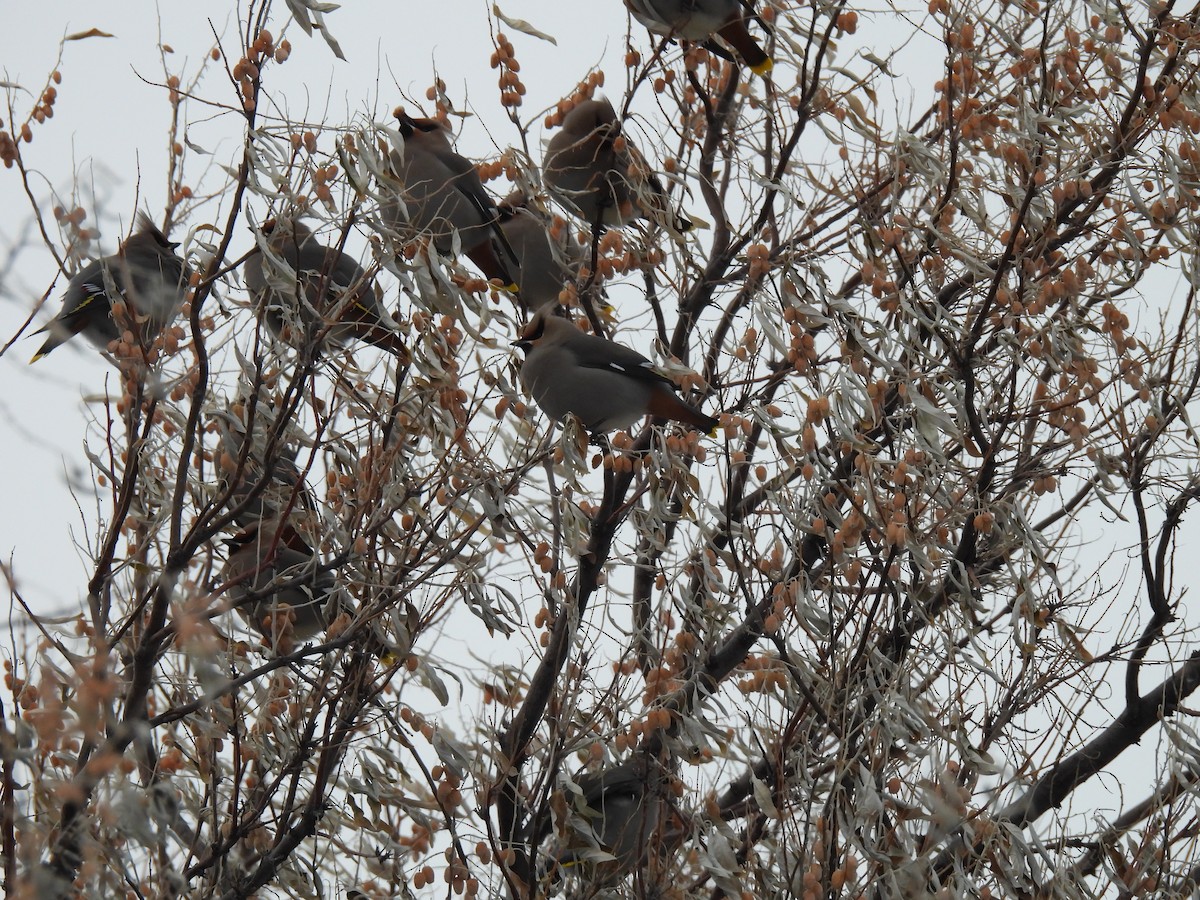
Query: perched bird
271, 570
607, 385
700, 20
313, 283
284, 491
440, 193
149, 278
599, 175
623, 806
547, 261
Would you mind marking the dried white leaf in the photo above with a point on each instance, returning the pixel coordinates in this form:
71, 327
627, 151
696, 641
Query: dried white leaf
454, 754
194, 147
762, 797
522, 26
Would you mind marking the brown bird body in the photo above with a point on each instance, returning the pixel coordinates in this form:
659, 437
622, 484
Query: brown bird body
440, 194
623, 805
700, 20
605, 384
323, 282
270, 571
149, 278
599, 175
284, 491
547, 262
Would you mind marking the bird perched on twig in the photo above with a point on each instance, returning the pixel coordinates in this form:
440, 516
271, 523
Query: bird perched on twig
701, 20
284, 492
298, 283
439, 194
272, 572
148, 278
547, 260
624, 806
605, 384
599, 175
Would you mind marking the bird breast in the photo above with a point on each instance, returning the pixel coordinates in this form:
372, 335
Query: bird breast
437, 201
545, 263
603, 399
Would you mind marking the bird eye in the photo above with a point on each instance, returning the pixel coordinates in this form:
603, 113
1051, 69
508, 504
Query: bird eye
541, 328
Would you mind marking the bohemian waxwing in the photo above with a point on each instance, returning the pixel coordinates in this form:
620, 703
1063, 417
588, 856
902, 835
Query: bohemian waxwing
147, 274
700, 20
440, 193
547, 262
623, 806
606, 385
602, 180
284, 493
314, 282
271, 571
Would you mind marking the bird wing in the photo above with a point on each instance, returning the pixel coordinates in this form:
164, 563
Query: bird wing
345, 273
466, 181
598, 353
624, 778
91, 292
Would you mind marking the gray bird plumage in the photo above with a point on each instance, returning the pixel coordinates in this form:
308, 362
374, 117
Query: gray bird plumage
547, 263
323, 284
148, 277
623, 806
272, 569
605, 384
700, 20
603, 181
439, 194
249, 499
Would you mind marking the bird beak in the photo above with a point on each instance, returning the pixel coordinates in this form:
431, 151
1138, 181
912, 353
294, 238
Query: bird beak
522, 345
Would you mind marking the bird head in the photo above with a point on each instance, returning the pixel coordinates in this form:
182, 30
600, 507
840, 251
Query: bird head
516, 200
147, 227
285, 224
535, 329
409, 125
592, 115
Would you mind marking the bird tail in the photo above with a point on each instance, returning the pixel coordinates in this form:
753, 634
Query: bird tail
666, 404
511, 262
735, 34
51, 342
485, 258
378, 335
393, 344
56, 333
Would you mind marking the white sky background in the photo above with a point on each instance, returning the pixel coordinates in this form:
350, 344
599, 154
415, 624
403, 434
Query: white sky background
110, 128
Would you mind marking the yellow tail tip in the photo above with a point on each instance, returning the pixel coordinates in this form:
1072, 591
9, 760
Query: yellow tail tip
763, 67
36, 357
